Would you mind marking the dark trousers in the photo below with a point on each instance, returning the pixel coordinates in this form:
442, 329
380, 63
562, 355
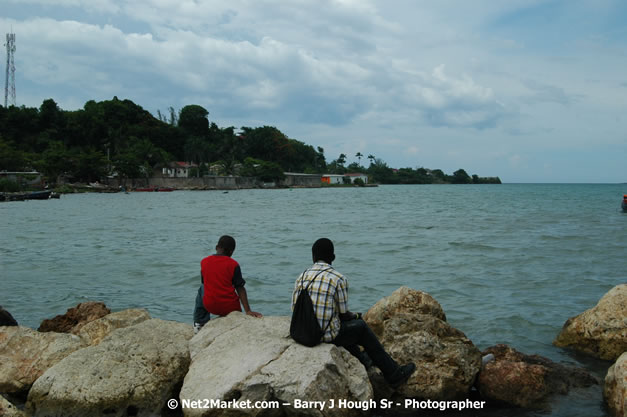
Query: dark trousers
355, 333
200, 314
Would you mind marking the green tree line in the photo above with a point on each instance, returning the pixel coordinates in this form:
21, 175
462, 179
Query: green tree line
381, 173
120, 136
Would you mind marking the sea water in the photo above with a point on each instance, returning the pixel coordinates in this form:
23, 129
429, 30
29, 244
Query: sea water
508, 263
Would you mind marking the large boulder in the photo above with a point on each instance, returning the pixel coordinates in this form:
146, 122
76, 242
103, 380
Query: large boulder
26, 354
133, 371
242, 358
411, 326
6, 319
615, 389
93, 332
403, 300
600, 331
75, 318
527, 381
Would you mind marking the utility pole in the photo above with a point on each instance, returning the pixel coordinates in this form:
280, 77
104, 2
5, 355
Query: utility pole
9, 85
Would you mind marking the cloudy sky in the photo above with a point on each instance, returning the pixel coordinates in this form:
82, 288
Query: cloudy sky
529, 90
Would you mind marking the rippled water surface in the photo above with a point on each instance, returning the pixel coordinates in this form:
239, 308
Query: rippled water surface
509, 263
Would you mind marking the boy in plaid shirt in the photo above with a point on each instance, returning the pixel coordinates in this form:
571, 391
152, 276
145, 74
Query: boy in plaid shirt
329, 295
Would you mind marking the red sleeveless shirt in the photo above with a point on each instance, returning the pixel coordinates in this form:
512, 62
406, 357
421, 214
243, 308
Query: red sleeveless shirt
219, 296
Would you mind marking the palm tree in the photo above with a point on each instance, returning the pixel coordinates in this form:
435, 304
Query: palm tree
371, 157
359, 155
342, 159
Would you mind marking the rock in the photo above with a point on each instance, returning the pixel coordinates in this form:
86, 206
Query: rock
133, 371
26, 354
245, 358
411, 326
403, 300
615, 389
75, 318
9, 410
600, 331
527, 381
93, 332
6, 319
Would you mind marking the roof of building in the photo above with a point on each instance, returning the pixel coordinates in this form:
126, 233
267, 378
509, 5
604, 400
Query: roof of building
181, 164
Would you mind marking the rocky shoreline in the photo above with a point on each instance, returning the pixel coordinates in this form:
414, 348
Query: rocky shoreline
92, 362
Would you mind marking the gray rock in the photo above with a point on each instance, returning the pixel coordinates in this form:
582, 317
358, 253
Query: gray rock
26, 354
93, 332
133, 371
615, 389
600, 331
411, 326
245, 358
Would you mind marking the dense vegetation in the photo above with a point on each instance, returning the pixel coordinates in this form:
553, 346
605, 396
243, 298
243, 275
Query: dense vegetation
118, 136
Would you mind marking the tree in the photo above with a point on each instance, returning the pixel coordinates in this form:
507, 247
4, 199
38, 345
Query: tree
264, 170
197, 150
355, 167
461, 177
89, 165
50, 116
438, 176
193, 120
341, 160
371, 158
128, 165
358, 155
11, 159
55, 161
381, 172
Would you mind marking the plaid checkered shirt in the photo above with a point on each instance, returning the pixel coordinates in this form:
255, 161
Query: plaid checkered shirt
329, 295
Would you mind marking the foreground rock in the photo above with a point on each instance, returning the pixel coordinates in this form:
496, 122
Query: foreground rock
412, 327
600, 331
26, 354
245, 358
95, 331
527, 381
6, 319
75, 318
133, 371
615, 389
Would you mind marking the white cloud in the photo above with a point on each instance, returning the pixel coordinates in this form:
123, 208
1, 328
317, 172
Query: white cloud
101, 6
342, 74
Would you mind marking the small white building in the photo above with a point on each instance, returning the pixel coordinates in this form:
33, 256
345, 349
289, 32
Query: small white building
333, 179
356, 175
344, 179
178, 169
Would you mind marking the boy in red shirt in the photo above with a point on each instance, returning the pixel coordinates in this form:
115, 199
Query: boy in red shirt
222, 287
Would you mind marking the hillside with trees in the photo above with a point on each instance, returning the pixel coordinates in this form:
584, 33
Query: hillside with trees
119, 136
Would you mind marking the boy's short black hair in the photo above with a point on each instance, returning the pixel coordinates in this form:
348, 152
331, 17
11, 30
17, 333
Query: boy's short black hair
323, 250
226, 242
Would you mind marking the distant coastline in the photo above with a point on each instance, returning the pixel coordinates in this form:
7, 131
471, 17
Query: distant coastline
119, 139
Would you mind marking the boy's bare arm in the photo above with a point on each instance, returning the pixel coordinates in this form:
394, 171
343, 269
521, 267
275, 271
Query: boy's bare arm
243, 297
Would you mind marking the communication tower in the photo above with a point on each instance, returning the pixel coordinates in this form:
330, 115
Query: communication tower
9, 85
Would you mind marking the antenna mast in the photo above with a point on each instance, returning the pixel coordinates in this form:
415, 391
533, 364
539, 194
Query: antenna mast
9, 86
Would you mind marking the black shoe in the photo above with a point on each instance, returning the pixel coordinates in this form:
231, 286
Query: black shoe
401, 375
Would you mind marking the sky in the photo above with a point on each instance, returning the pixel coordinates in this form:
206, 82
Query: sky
527, 90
